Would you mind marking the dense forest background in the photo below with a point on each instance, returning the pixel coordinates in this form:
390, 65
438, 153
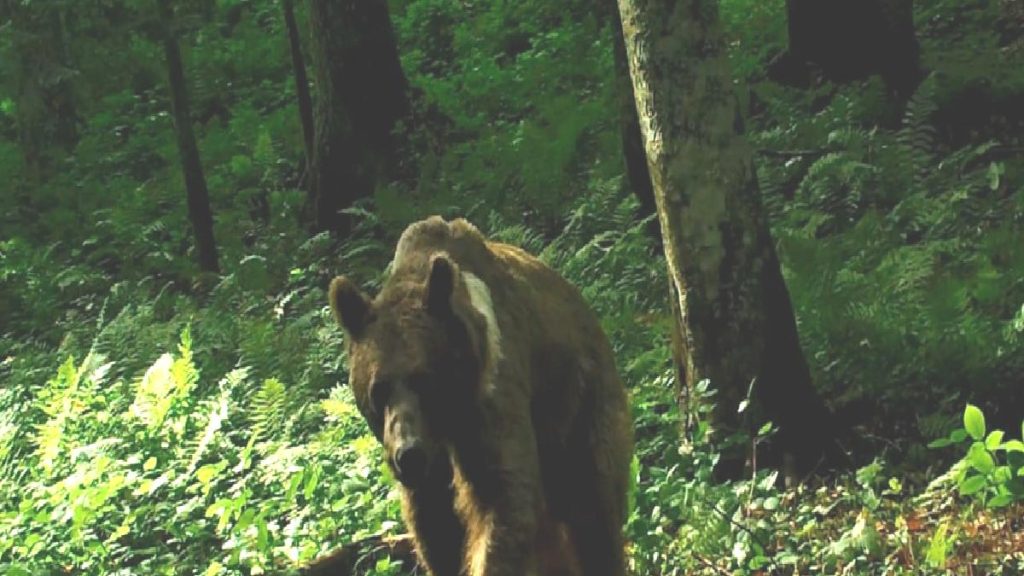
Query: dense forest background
173, 398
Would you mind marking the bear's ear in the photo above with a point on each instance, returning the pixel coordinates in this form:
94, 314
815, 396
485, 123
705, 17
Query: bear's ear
441, 285
351, 307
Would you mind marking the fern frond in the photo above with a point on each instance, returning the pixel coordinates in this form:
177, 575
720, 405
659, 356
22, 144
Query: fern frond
268, 409
917, 136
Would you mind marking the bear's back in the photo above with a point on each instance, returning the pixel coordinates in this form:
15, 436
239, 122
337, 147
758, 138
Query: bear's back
528, 295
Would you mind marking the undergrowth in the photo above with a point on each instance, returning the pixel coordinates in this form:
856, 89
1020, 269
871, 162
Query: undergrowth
153, 423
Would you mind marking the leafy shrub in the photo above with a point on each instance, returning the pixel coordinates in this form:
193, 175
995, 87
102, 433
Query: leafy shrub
993, 473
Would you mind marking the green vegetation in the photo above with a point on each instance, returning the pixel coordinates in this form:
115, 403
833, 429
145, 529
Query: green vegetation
155, 420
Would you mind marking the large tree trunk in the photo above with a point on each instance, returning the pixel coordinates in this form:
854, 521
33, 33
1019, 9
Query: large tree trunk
199, 213
852, 39
736, 323
639, 179
361, 95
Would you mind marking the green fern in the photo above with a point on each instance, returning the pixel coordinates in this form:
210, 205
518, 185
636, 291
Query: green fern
269, 409
917, 136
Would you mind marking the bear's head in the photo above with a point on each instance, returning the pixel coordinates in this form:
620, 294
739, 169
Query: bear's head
417, 357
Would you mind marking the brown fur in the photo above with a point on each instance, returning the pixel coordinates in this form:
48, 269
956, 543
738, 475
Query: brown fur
527, 438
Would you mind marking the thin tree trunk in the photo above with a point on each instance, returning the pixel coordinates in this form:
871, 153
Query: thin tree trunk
199, 213
735, 319
361, 96
301, 81
62, 101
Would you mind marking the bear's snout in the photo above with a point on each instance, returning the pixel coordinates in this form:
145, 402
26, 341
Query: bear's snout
411, 464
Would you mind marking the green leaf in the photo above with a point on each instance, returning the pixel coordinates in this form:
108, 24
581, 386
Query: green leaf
938, 549
771, 503
940, 443
994, 439
995, 171
1016, 487
1015, 459
1000, 501
980, 459
207, 473
974, 422
1012, 446
1002, 474
958, 436
972, 485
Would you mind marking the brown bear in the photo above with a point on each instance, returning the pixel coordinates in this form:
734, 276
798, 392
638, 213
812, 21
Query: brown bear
494, 391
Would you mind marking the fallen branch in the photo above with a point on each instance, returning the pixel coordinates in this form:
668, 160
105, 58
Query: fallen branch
352, 559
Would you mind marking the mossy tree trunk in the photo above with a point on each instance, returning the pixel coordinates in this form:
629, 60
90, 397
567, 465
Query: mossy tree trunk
735, 320
633, 155
199, 214
360, 97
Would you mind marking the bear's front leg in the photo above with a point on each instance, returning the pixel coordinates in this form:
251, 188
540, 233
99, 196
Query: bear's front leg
505, 540
500, 501
437, 532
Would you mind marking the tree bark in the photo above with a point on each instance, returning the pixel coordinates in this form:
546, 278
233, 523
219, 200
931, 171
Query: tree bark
301, 80
199, 213
361, 96
736, 322
637, 176
852, 39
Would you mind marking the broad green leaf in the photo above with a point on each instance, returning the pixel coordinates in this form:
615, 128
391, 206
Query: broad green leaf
217, 508
1012, 446
974, 422
958, 436
940, 443
206, 473
118, 533
994, 439
1000, 501
1015, 459
787, 559
980, 459
1002, 474
1016, 487
972, 485
149, 464
245, 520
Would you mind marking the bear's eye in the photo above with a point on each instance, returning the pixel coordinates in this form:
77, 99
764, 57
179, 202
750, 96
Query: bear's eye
380, 392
